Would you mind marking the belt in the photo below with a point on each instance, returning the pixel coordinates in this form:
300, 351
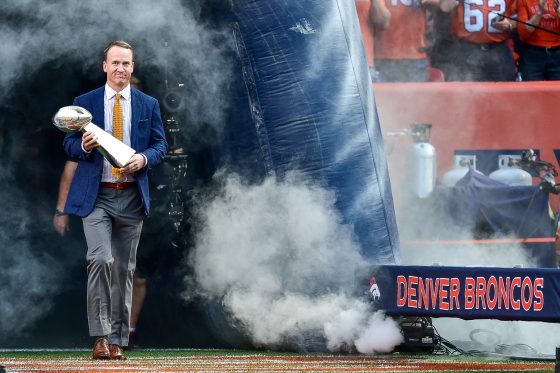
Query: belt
119, 186
539, 48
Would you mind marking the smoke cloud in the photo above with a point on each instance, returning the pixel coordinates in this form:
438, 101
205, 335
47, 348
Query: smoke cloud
283, 265
517, 338
27, 277
168, 35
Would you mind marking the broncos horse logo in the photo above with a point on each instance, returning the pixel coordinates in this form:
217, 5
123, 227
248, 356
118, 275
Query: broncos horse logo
374, 289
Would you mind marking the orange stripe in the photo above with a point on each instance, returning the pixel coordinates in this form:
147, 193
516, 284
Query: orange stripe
483, 242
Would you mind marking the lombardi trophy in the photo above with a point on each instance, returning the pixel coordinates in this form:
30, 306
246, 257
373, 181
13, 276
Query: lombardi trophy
74, 118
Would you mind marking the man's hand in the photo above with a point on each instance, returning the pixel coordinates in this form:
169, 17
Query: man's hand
61, 224
137, 162
89, 141
503, 25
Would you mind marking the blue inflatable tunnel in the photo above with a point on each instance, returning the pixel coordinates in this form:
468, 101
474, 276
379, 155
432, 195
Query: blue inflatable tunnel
312, 110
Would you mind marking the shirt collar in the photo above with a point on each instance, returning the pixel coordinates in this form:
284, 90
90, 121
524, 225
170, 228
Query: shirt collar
110, 92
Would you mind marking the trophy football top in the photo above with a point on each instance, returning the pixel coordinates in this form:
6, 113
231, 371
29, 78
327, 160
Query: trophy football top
71, 118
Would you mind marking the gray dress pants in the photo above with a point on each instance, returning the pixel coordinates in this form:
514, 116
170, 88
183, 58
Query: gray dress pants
112, 232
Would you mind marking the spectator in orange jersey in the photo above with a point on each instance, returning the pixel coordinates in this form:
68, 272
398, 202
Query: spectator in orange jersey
539, 50
399, 42
481, 51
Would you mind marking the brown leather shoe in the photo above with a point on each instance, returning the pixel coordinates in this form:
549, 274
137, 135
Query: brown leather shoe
116, 352
101, 349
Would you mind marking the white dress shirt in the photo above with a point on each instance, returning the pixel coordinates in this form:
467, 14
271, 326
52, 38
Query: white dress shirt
108, 103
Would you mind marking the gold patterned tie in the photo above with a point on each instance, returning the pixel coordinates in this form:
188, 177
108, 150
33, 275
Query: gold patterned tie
117, 127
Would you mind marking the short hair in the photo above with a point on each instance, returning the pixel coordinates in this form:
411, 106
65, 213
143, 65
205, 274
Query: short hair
117, 43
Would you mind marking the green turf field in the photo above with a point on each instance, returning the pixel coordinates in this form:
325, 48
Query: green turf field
170, 360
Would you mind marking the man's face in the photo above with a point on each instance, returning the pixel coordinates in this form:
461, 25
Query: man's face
119, 67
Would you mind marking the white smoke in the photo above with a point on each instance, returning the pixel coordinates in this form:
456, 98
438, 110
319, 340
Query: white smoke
284, 266
469, 255
517, 338
166, 34
28, 278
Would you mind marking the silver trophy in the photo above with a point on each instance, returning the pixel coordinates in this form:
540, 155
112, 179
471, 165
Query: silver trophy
74, 118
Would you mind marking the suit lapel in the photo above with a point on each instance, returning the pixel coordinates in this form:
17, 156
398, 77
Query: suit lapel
99, 108
136, 110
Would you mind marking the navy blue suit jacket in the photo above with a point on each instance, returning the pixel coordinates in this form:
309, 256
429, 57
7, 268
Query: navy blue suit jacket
147, 137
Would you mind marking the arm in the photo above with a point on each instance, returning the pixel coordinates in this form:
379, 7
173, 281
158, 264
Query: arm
507, 25
536, 18
158, 145
61, 221
73, 141
525, 31
73, 145
380, 15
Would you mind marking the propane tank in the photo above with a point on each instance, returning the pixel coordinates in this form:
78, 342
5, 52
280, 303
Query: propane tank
421, 161
509, 172
461, 165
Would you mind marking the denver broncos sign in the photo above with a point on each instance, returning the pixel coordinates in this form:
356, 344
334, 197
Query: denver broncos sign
467, 292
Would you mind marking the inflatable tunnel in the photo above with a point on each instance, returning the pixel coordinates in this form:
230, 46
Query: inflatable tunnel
311, 109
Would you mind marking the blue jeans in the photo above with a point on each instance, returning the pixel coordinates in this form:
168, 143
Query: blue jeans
539, 63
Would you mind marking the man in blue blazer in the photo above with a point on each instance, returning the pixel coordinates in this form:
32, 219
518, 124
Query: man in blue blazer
113, 202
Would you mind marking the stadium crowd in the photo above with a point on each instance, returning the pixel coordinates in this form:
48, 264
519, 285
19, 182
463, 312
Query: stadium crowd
461, 40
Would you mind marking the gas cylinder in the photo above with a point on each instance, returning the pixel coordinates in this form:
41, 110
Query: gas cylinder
461, 165
509, 172
421, 162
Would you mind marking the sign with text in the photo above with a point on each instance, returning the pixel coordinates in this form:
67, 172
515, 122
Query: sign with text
467, 292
